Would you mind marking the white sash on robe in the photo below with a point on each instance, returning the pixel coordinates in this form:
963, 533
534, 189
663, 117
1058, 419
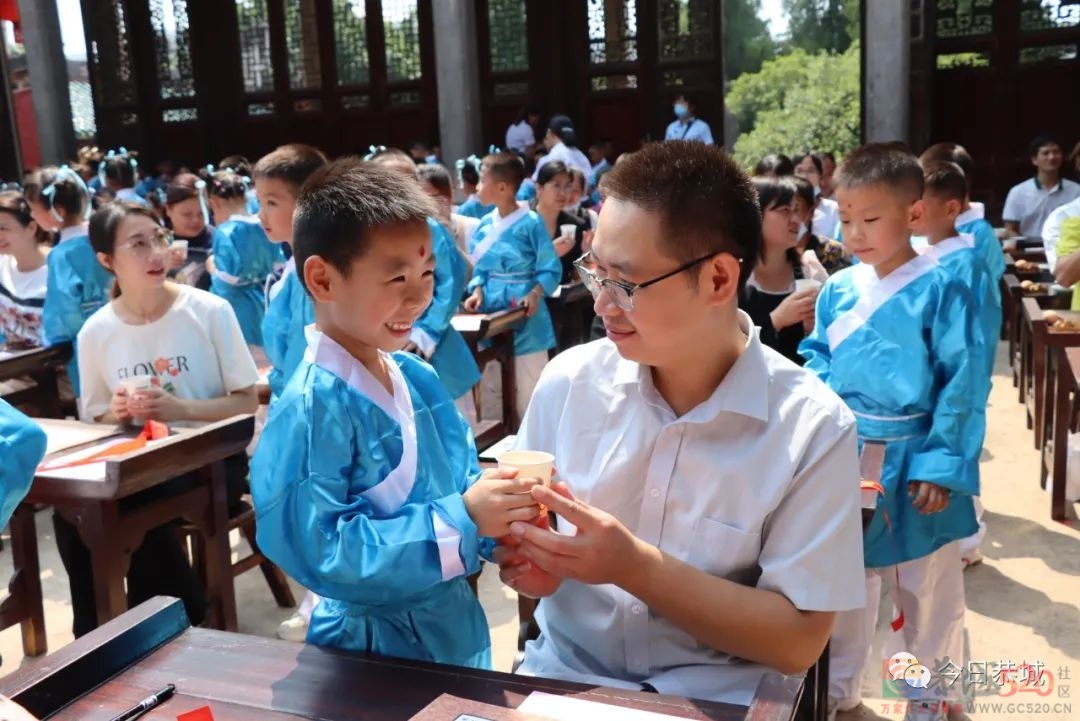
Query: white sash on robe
494, 231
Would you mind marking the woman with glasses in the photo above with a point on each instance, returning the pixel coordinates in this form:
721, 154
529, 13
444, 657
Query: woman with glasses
189, 343
778, 297
554, 188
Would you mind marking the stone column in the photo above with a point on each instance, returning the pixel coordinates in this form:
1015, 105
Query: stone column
457, 73
888, 70
40, 25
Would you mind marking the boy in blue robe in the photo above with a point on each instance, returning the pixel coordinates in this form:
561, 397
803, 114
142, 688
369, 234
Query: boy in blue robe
898, 337
278, 177
77, 283
514, 264
365, 481
22, 446
944, 194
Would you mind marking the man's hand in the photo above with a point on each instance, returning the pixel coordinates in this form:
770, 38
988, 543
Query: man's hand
603, 551
928, 497
524, 577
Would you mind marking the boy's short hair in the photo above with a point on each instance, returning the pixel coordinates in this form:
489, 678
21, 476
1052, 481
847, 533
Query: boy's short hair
944, 180
705, 201
393, 158
881, 164
293, 163
341, 204
1039, 141
505, 167
951, 153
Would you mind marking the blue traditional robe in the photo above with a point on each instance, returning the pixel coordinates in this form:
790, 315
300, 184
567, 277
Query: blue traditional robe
473, 208
511, 256
288, 313
905, 352
78, 285
359, 497
243, 258
22, 446
444, 347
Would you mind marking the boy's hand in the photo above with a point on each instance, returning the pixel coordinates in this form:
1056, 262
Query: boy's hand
531, 302
498, 499
472, 303
519, 574
928, 497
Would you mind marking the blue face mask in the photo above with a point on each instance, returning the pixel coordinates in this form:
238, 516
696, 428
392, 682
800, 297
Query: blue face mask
681, 110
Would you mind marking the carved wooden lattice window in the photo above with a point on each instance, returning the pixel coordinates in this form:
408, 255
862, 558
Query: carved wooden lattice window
1049, 14
964, 18
401, 28
507, 36
612, 31
686, 28
350, 43
254, 26
111, 53
172, 48
302, 42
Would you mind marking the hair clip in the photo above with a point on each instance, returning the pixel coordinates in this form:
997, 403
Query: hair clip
494, 150
62, 173
375, 151
13, 185
200, 189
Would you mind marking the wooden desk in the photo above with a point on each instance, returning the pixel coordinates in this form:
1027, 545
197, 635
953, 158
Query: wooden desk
497, 328
1012, 314
41, 366
111, 531
1065, 379
1037, 346
248, 678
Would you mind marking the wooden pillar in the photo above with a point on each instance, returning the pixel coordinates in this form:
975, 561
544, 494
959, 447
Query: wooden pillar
40, 23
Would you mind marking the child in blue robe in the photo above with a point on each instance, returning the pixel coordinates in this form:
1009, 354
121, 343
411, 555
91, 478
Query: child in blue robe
22, 446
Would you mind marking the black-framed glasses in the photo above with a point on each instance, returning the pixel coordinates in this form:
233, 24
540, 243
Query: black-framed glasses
621, 293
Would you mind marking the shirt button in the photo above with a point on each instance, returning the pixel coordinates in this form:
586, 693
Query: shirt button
637, 608
654, 493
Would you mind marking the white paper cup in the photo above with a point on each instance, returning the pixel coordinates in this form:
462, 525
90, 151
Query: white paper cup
135, 384
568, 230
802, 284
1009, 244
179, 249
529, 464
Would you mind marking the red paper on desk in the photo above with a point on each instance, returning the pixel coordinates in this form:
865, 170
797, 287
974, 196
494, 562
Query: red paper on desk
199, 714
152, 431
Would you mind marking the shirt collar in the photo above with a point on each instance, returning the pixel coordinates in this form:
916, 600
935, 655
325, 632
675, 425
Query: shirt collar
1038, 186
744, 390
75, 231
969, 216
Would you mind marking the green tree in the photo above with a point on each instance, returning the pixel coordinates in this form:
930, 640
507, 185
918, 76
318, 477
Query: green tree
796, 102
816, 25
747, 42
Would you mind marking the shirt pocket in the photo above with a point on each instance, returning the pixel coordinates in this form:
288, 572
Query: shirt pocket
725, 551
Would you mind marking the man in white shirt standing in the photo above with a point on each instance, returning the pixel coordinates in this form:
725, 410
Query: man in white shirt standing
1030, 203
711, 525
521, 135
686, 125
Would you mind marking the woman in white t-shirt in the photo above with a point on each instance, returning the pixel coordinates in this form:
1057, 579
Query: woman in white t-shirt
190, 343
23, 273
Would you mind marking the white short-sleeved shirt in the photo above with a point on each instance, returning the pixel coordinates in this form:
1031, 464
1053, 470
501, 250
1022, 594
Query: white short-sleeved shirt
826, 219
1051, 230
520, 136
22, 300
196, 351
573, 158
692, 129
1029, 204
758, 485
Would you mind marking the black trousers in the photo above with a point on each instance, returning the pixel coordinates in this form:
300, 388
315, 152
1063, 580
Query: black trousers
159, 566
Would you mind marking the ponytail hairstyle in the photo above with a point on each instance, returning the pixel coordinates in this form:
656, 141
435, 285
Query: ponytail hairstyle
59, 189
119, 166
237, 163
104, 224
14, 203
468, 170
562, 127
228, 184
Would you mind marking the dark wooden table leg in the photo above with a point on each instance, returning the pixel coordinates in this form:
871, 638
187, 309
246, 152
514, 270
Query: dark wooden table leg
1038, 363
505, 345
26, 580
219, 581
1062, 415
110, 556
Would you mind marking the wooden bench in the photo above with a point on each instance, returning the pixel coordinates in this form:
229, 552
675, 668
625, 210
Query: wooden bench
1032, 357
1064, 379
40, 365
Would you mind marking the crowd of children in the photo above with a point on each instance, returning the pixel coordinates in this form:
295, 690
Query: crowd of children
365, 478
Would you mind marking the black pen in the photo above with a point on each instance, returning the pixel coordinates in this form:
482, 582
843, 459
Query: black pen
147, 703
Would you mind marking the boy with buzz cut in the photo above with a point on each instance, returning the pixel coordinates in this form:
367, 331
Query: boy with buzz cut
347, 503
514, 264
278, 177
898, 337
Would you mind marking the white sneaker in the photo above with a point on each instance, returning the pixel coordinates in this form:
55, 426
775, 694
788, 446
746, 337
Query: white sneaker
293, 629
973, 559
933, 711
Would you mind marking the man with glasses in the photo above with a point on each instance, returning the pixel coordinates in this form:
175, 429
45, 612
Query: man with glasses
709, 526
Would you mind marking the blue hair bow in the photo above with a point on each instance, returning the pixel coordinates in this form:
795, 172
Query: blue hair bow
200, 188
374, 151
49, 192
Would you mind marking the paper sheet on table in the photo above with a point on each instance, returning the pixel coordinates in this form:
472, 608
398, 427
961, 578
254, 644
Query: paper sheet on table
568, 708
87, 472
62, 435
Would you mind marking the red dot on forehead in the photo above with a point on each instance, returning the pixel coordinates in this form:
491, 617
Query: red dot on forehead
422, 251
